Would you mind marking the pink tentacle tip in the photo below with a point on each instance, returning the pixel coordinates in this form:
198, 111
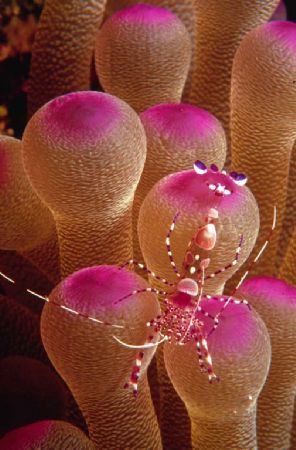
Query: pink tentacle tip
232, 323
272, 292
98, 288
89, 113
183, 322
188, 316
143, 14
284, 33
184, 121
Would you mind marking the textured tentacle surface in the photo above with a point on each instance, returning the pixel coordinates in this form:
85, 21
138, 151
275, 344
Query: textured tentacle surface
293, 432
220, 28
263, 127
84, 153
177, 135
289, 221
275, 301
288, 268
27, 226
223, 415
63, 49
143, 56
93, 364
188, 193
185, 10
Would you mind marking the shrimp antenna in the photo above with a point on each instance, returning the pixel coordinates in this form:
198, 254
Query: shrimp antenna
148, 345
66, 308
168, 245
259, 253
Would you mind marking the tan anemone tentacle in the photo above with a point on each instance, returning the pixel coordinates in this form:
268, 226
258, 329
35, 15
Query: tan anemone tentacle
46, 435
223, 414
63, 49
220, 28
185, 10
188, 193
143, 56
93, 364
289, 221
293, 431
275, 301
288, 267
84, 153
177, 136
263, 124
27, 225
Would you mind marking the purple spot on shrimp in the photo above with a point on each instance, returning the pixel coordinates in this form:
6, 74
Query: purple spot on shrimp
233, 175
214, 168
200, 168
240, 179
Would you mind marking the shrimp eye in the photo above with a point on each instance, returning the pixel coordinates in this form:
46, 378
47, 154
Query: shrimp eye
200, 168
239, 178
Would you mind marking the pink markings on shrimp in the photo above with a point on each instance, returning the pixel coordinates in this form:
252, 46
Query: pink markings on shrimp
219, 183
185, 317
206, 237
185, 314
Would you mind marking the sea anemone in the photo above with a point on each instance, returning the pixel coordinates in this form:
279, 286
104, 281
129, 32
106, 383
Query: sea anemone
99, 178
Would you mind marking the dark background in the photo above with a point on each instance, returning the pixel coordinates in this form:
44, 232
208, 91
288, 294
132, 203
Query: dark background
291, 7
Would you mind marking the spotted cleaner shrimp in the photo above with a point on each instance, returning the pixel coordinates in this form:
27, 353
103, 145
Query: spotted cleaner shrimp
180, 320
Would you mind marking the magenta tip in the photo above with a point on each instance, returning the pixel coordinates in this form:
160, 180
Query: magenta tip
199, 191
236, 330
284, 32
270, 290
182, 121
98, 288
82, 115
143, 14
